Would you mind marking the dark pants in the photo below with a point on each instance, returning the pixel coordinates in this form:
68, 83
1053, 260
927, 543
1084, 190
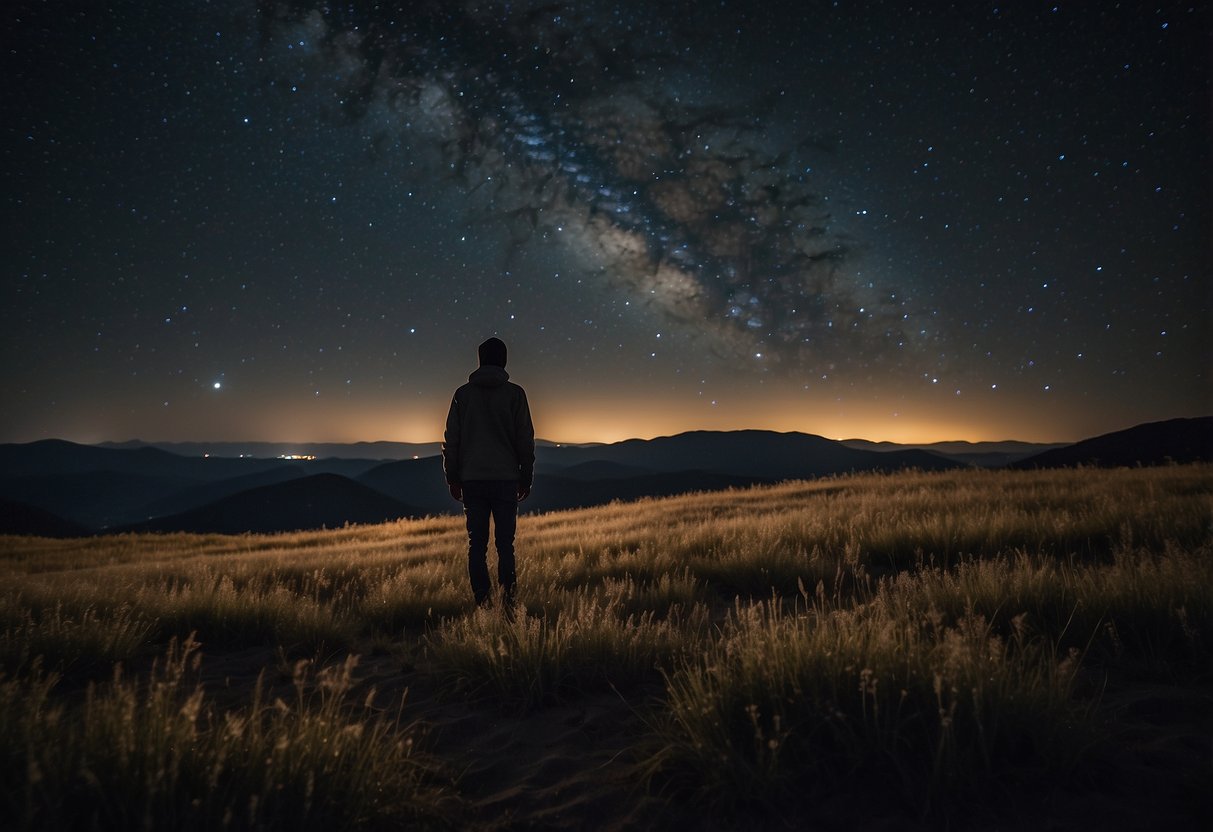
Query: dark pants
500, 499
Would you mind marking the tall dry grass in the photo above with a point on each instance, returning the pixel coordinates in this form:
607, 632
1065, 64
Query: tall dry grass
154, 753
586, 643
787, 709
923, 640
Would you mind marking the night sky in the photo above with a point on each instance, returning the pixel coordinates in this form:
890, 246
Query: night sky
295, 221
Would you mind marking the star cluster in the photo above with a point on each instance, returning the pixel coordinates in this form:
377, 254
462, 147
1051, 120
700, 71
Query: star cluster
295, 220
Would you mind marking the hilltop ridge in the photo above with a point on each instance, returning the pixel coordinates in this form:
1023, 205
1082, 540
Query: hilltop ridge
85, 488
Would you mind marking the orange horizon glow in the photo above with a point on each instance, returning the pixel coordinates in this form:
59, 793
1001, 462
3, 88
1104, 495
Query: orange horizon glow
574, 430
910, 425
583, 435
578, 431
599, 417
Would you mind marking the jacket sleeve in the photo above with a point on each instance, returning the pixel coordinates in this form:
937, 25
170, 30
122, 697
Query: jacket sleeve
524, 441
450, 443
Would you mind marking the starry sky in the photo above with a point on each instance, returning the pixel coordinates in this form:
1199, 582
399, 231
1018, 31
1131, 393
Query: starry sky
294, 221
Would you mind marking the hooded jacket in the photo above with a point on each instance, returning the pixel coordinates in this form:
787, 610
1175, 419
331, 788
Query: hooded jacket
489, 434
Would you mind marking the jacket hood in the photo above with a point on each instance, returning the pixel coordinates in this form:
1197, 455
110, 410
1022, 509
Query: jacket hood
489, 376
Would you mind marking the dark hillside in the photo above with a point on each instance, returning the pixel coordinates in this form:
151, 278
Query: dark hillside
553, 493
50, 457
92, 498
20, 519
416, 482
197, 495
1154, 443
318, 501
749, 453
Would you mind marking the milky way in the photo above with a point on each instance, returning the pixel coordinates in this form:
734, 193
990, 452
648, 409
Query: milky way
554, 121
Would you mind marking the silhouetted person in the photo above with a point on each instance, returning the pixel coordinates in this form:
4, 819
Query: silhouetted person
488, 454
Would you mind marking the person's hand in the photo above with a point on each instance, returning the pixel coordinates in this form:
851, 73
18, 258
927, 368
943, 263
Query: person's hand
456, 491
524, 491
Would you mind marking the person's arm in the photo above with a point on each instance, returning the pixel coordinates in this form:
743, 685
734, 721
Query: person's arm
524, 445
450, 451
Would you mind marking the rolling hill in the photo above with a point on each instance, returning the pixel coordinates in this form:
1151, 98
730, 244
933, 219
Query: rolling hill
979, 454
763, 455
312, 502
60, 484
94, 499
21, 519
577, 476
1154, 443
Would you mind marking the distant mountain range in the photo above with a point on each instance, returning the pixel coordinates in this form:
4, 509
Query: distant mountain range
57, 488
980, 454
311, 502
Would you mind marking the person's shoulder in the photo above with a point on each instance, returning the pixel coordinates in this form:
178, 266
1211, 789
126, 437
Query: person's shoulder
515, 388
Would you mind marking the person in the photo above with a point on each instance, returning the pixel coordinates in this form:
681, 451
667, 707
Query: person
488, 456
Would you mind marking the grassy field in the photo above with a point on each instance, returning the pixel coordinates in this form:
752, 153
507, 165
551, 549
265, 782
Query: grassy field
981, 649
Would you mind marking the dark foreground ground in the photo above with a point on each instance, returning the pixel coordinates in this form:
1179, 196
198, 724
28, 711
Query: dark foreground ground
571, 766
